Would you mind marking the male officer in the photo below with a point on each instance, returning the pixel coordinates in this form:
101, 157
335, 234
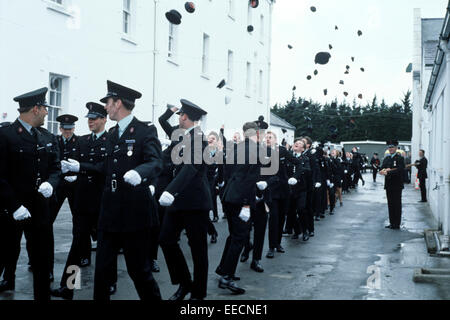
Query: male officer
29, 164
375, 163
189, 201
133, 159
421, 166
393, 169
88, 195
68, 149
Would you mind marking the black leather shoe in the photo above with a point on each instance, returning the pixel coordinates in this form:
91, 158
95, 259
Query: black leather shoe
388, 227
317, 219
341, 204
295, 236
214, 238
155, 267
246, 253
180, 294
311, 234
270, 254
112, 289
62, 292
331, 213
256, 266
235, 278
287, 232
280, 249
227, 283
395, 228
422, 201
363, 183
322, 216
305, 237
85, 263
6, 285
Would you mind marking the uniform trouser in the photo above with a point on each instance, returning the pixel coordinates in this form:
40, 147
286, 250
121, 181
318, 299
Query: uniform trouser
291, 213
309, 210
259, 219
320, 200
154, 234
136, 251
347, 182
239, 232
212, 190
356, 177
277, 217
196, 225
39, 239
374, 174
298, 204
394, 199
332, 197
423, 188
61, 194
211, 229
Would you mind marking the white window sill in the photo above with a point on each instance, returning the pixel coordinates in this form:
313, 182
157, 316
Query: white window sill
57, 8
231, 17
127, 38
204, 76
172, 61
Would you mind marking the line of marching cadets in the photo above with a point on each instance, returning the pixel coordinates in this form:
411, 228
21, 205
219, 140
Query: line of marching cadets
129, 195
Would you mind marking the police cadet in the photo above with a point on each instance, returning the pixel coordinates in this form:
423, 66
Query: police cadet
375, 163
320, 200
29, 164
188, 203
133, 159
88, 195
393, 169
240, 195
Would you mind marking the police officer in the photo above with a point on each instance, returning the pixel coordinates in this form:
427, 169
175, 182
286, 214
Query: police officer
375, 163
88, 195
68, 148
133, 159
188, 203
393, 169
29, 164
421, 166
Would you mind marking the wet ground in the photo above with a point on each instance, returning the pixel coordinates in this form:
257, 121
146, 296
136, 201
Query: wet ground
352, 256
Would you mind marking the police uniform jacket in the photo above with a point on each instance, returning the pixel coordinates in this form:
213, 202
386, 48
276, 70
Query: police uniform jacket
300, 172
422, 168
394, 179
337, 170
315, 175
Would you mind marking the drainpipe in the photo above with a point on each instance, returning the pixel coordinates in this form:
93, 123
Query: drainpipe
269, 64
154, 61
444, 45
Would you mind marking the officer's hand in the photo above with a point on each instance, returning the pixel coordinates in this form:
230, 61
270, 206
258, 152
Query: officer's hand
331, 185
71, 179
245, 214
152, 189
292, 181
166, 199
258, 199
21, 214
262, 185
318, 185
345, 171
70, 166
221, 184
46, 189
132, 177
328, 182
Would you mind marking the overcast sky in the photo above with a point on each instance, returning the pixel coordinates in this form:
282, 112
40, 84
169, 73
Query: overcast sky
384, 50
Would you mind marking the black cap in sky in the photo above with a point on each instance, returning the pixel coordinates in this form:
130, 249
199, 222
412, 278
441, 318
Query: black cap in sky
346, 72
173, 16
322, 58
336, 28
345, 93
330, 46
325, 92
121, 92
362, 69
347, 67
289, 46
294, 88
189, 6
193, 111
313, 9
353, 59
360, 96
67, 121
96, 110
360, 33
308, 77
250, 28
316, 72
341, 82
30, 99
221, 84
262, 125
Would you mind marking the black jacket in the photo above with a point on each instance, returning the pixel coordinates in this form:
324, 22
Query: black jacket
300, 172
394, 179
315, 175
422, 165
337, 170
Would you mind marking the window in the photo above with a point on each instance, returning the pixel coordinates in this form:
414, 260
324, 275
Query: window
55, 102
205, 56
261, 29
249, 79
230, 68
260, 88
172, 40
231, 9
127, 16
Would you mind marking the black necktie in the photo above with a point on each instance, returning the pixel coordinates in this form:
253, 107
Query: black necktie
94, 137
33, 132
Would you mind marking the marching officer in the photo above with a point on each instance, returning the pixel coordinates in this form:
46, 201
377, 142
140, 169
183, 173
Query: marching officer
68, 148
29, 167
88, 195
375, 163
132, 161
393, 169
188, 202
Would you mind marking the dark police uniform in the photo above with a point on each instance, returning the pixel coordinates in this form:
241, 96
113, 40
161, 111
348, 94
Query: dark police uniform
189, 211
127, 212
394, 186
26, 161
375, 163
422, 175
312, 179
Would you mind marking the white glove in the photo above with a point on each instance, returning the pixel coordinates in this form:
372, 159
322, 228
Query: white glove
318, 185
345, 171
292, 181
245, 214
328, 182
259, 199
221, 184
152, 189
166, 199
21, 214
46, 189
262, 185
70, 166
331, 185
132, 177
71, 179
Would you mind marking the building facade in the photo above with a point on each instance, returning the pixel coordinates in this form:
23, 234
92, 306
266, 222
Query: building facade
431, 132
74, 46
